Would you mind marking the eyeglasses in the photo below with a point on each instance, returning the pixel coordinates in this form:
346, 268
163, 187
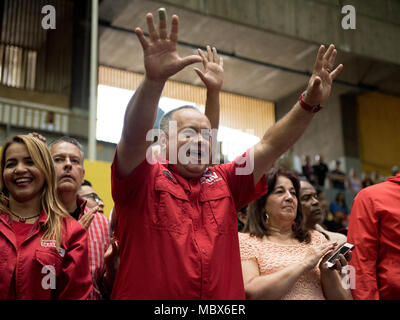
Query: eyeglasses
92, 195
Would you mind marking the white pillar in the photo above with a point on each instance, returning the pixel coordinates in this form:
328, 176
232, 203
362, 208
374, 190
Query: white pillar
93, 81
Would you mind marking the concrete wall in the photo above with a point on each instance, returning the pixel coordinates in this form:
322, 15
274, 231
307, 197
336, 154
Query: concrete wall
324, 135
332, 132
318, 21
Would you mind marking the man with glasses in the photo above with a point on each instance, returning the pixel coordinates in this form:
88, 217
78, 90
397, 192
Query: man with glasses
177, 219
87, 192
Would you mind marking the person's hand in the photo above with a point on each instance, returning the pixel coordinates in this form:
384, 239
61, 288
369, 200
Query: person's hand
39, 136
111, 257
161, 58
340, 262
111, 260
315, 254
213, 75
87, 217
320, 83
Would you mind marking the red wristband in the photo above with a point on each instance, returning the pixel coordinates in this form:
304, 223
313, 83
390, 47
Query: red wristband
307, 107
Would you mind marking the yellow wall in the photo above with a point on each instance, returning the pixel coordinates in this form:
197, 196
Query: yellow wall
99, 175
378, 132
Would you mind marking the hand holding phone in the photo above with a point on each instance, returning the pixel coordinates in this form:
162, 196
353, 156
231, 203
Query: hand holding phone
345, 248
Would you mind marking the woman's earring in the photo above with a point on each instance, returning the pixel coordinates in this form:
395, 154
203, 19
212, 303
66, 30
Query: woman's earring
266, 218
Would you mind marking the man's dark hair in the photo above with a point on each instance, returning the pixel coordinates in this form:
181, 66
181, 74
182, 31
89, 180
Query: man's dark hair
167, 117
86, 183
69, 140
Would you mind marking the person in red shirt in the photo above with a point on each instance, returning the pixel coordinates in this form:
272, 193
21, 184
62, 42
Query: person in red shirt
176, 221
374, 230
44, 252
68, 160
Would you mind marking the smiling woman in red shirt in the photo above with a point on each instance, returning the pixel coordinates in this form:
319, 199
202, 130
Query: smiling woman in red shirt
44, 253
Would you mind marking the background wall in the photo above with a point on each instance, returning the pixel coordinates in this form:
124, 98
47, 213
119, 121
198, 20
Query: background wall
324, 135
378, 130
99, 175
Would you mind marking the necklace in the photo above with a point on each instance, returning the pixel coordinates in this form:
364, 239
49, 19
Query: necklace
22, 219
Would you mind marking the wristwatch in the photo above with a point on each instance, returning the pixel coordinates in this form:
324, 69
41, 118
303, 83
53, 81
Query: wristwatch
307, 107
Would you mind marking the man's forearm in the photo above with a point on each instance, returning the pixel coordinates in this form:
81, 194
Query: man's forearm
287, 131
141, 112
279, 138
139, 119
212, 108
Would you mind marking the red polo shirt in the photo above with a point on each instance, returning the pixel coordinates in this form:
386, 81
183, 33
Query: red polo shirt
179, 237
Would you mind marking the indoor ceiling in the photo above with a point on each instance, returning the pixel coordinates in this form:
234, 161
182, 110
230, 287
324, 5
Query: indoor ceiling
256, 63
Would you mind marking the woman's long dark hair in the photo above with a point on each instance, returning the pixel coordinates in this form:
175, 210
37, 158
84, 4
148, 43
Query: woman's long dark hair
256, 225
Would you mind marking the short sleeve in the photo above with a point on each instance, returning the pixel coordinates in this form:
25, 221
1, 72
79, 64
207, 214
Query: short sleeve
247, 248
124, 188
240, 179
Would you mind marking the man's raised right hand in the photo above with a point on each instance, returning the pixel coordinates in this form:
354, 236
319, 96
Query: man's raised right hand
161, 59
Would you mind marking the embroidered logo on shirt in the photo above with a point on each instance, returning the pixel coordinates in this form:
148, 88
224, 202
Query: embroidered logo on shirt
48, 243
168, 174
210, 178
52, 244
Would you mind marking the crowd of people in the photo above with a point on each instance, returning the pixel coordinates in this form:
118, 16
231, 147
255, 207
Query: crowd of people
335, 189
319, 175
173, 232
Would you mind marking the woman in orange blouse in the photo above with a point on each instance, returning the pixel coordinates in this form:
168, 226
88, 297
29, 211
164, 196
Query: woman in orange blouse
280, 259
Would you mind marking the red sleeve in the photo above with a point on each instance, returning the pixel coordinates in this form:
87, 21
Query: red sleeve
363, 233
75, 282
240, 178
123, 188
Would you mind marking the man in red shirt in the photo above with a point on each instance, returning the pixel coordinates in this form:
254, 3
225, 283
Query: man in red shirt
176, 221
374, 229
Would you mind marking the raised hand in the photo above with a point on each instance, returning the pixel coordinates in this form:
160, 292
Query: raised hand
111, 258
87, 217
315, 254
213, 75
320, 84
39, 136
161, 59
